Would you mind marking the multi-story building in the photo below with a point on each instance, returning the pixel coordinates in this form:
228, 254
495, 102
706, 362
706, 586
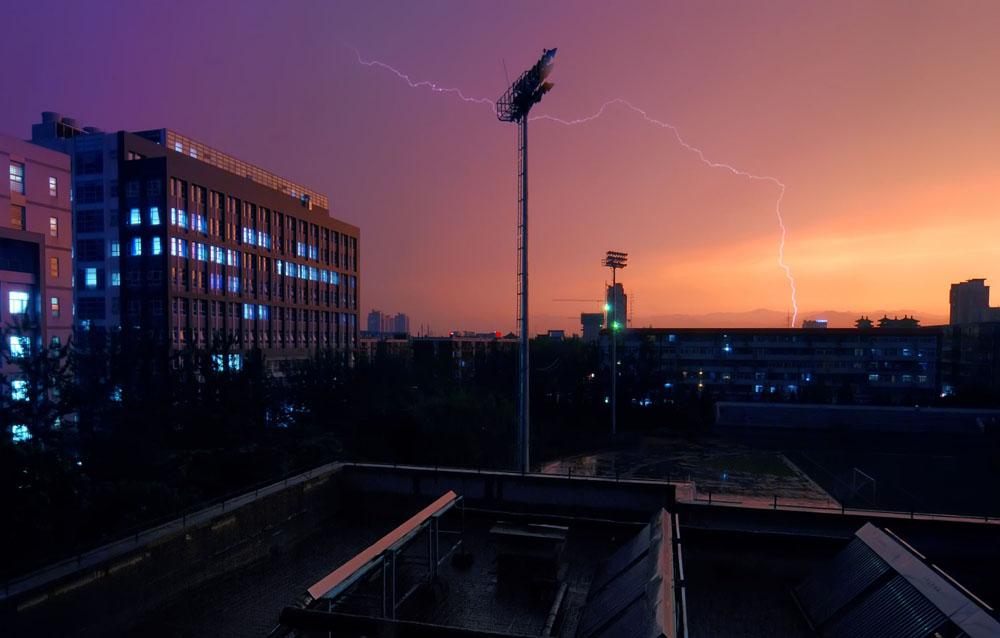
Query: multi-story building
188, 246
401, 324
590, 323
835, 364
36, 270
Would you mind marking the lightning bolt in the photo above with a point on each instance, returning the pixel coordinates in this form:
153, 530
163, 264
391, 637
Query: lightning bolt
600, 112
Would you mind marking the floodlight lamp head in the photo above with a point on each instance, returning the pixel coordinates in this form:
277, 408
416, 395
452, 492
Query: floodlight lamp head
527, 90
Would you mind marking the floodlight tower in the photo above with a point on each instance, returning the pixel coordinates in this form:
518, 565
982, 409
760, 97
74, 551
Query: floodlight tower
614, 260
513, 106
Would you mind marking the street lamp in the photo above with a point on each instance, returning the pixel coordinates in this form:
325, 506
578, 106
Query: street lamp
614, 260
514, 106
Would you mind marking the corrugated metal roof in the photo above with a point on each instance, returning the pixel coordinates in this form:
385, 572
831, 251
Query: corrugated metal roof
631, 595
877, 586
827, 590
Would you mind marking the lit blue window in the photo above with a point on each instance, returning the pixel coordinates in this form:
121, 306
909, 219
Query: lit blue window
313, 273
182, 218
116, 278
19, 390
154, 216
873, 377
301, 249
18, 346
324, 276
20, 433
290, 269
262, 312
313, 252
115, 249
235, 362
136, 247
178, 147
277, 266
234, 284
173, 216
303, 272
134, 218
248, 310
215, 280
90, 275
17, 302
758, 389
157, 247
335, 278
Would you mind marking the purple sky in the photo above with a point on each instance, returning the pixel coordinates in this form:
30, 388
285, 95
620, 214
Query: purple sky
879, 118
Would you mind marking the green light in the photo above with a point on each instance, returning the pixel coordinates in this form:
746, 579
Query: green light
617, 326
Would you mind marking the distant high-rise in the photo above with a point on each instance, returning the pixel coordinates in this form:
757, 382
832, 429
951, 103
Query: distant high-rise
375, 321
621, 313
401, 324
970, 301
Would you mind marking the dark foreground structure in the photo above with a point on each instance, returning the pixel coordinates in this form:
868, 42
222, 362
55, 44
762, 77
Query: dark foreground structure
368, 550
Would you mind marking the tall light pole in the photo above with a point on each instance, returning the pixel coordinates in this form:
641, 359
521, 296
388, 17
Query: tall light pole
513, 106
614, 260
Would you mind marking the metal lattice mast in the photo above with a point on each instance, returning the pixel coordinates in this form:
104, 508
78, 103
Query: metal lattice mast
614, 260
514, 106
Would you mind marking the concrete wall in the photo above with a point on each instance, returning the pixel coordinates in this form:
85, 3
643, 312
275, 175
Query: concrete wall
527, 493
98, 598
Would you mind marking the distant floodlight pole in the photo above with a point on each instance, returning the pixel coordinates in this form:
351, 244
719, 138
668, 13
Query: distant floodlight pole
513, 106
614, 260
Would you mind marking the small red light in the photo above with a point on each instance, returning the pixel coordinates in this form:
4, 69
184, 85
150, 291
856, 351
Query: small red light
498, 334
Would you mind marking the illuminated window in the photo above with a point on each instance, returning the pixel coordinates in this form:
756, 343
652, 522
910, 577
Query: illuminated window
53, 266
116, 278
18, 346
157, 248
19, 390
178, 147
53, 227
136, 246
17, 177
20, 433
248, 310
115, 249
262, 312
154, 216
17, 302
54, 305
134, 218
53, 187
91, 278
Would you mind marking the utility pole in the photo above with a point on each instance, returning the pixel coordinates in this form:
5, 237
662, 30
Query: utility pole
614, 260
514, 106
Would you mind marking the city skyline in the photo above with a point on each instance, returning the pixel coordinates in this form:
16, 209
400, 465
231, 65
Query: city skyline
880, 126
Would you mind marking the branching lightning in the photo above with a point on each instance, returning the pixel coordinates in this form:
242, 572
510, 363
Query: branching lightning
645, 116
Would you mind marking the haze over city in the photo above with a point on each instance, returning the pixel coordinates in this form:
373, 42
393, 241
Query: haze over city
879, 119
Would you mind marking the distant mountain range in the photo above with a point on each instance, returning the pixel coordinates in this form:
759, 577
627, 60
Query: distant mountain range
762, 318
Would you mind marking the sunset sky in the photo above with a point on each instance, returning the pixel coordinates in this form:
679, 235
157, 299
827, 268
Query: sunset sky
881, 119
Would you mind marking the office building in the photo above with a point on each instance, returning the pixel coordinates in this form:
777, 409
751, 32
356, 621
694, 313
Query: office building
180, 245
36, 270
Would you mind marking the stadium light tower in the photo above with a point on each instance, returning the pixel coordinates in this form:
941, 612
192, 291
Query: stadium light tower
513, 106
614, 260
